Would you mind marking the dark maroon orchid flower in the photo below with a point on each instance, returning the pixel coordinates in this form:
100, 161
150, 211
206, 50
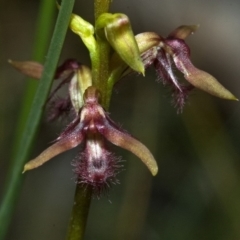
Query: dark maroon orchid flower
173, 52
92, 127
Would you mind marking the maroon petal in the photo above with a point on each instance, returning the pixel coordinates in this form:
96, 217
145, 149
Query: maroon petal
63, 80
64, 74
59, 107
70, 65
164, 69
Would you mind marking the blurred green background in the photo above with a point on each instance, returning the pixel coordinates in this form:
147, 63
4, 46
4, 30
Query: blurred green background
196, 194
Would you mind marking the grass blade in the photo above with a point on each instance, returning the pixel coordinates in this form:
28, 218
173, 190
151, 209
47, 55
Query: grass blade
15, 178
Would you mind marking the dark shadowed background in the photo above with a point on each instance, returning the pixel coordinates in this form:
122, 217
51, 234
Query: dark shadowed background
196, 194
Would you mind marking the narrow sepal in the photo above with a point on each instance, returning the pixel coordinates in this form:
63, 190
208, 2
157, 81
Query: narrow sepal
68, 142
29, 68
124, 140
208, 83
183, 31
197, 77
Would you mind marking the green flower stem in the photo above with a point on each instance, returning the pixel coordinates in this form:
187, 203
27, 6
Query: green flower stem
100, 79
101, 6
100, 64
15, 178
80, 211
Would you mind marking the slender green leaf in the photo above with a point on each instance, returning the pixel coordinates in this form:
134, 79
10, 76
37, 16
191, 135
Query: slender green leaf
15, 178
42, 39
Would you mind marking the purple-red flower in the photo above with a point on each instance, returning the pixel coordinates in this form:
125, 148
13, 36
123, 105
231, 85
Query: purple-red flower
92, 128
173, 52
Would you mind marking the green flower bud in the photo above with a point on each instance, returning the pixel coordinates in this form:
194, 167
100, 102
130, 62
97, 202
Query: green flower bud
85, 30
118, 32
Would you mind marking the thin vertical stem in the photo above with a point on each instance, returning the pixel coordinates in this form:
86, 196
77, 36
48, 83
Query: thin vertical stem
100, 78
101, 74
80, 211
82, 197
101, 6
